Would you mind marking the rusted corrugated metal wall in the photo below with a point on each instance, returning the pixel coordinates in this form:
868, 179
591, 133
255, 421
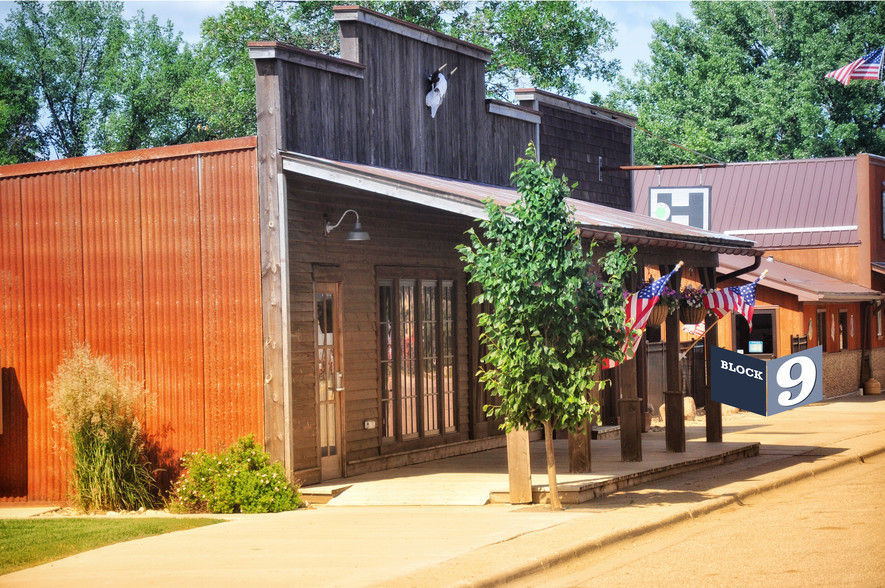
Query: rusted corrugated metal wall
152, 257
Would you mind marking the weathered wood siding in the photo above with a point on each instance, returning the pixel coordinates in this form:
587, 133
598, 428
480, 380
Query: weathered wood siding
404, 236
577, 135
369, 107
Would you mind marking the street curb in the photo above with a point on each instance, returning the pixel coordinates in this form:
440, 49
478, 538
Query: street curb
542, 563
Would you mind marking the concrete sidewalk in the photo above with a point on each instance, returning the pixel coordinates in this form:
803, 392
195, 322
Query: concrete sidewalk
473, 545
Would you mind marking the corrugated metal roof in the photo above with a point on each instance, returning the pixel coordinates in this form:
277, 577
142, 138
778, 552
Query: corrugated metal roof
806, 285
468, 198
815, 200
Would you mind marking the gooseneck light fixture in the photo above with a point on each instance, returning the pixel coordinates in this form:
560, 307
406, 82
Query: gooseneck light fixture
357, 234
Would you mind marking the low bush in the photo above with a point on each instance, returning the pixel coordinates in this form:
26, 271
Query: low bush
96, 409
242, 478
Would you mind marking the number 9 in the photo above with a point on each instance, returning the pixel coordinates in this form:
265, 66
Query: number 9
785, 380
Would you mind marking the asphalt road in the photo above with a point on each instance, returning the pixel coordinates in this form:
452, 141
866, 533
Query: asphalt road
824, 531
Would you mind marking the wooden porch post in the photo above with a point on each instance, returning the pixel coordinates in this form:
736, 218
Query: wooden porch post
629, 404
519, 466
579, 442
713, 410
674, 407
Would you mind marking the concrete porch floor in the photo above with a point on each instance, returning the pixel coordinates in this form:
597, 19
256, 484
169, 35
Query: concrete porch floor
480, 478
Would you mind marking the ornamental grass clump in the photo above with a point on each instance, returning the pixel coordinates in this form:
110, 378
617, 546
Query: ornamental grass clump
242, 478
96, 409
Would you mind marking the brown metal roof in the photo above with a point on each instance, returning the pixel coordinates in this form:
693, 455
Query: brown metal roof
806, 285
467, 198
778, 204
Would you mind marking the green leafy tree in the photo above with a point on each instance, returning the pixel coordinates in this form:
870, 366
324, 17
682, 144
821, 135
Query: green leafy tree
151, 106
551, 45
745, 81
68, 49
552, 319
19, 111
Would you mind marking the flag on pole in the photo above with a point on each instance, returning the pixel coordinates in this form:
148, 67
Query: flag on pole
867, 67
638, 309
694, 330
737, 299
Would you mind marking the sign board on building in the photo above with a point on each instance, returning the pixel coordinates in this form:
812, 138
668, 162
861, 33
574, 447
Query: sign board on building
766, 387
685, 206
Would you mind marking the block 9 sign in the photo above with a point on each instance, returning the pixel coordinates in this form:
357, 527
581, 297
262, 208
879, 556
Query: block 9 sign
766, 387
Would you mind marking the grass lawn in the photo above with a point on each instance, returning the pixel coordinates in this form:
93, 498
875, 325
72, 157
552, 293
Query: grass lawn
25, 543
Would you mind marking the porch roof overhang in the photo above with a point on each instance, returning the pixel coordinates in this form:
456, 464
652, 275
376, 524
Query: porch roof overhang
468, 199
806, 285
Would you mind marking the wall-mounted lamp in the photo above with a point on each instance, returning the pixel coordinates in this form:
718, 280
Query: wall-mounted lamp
357, 234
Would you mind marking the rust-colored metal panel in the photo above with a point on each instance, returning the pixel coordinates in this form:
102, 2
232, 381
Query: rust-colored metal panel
152, 258
13, 410
53, 288
112, 269
173, 305
232, 352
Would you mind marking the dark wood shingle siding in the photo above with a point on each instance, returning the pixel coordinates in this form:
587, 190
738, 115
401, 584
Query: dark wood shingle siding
576, 142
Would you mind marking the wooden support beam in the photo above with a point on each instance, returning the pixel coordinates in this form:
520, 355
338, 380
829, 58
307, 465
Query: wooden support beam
579, 450
674, 408
630, 410
712, 410
579, 460
641, 360
519, 466
629, 403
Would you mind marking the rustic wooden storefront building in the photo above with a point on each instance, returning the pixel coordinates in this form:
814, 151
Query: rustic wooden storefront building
354, 133
212, 270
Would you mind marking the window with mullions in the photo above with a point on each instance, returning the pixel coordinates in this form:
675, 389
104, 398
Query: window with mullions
417, 351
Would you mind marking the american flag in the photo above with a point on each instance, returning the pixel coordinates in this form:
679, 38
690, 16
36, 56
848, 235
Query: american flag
865, 68
638, 309
739, 299
695, 330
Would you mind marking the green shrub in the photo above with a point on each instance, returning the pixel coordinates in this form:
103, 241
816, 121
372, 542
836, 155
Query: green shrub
97, 411
241, 478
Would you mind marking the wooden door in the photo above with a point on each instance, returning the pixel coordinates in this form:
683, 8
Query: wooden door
330, 379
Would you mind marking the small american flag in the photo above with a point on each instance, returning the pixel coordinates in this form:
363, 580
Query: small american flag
694, 330
867, 67
738, 299
638, 309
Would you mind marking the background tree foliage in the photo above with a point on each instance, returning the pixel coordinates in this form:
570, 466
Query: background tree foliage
19, 136
104, 84
550, 45
100, 82
746, 83
148, 90
68, 50
552, 320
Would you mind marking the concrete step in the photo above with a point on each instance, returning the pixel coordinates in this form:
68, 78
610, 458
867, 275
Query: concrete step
576, 492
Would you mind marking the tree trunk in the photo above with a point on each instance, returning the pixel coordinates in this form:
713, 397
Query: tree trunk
555, 504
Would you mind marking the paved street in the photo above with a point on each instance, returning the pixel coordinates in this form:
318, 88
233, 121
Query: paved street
825, 530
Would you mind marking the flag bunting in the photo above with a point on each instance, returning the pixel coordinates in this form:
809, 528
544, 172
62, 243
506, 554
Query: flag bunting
737, 299
638, 308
